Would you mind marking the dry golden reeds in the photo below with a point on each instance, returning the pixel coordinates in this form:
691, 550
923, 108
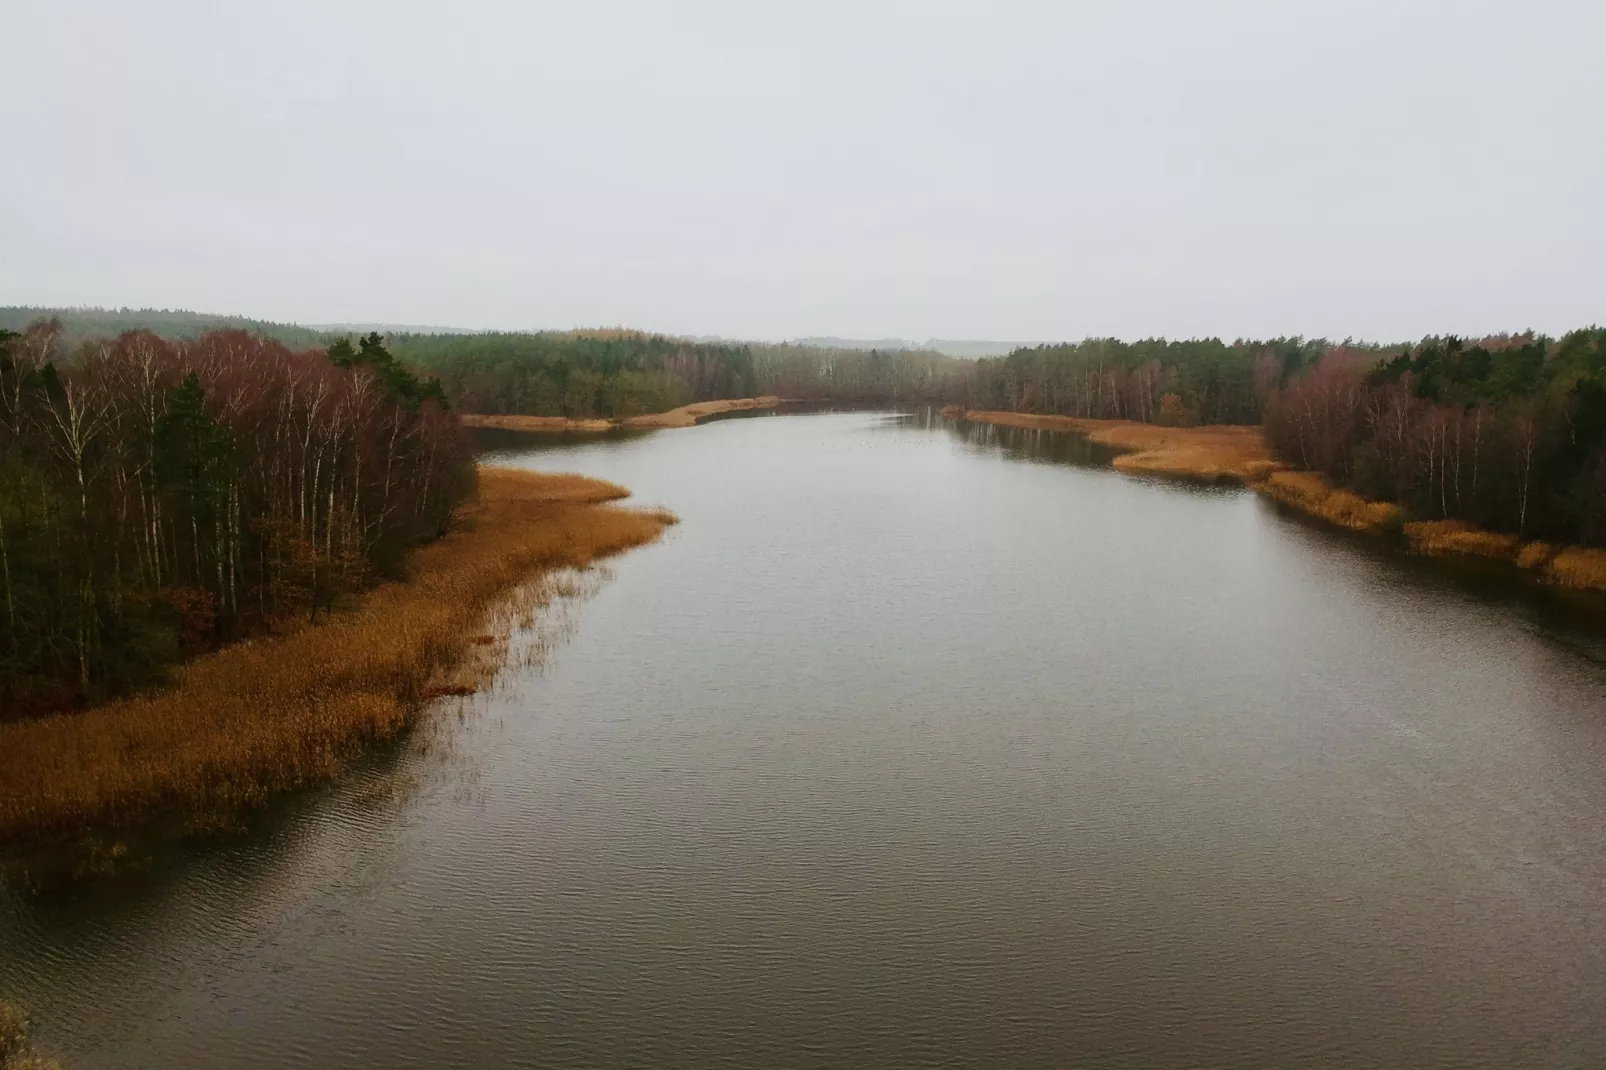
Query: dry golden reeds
1310, 493
272, 714
1535, 555
1458, 537
1578, 566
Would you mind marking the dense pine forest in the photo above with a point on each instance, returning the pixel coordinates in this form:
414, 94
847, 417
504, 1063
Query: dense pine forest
158, 496
607, 373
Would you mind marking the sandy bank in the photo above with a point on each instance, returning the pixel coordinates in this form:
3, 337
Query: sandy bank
1240, 453
685, 416
272, 714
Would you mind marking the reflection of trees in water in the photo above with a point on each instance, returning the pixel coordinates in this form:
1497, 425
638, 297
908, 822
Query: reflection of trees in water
1022, 443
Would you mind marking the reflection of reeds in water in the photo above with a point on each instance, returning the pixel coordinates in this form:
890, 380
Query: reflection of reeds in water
272, 714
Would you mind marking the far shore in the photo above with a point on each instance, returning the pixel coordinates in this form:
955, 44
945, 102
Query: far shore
1239, 454
685, 416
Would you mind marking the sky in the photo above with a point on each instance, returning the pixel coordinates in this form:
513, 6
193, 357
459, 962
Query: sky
1377, 169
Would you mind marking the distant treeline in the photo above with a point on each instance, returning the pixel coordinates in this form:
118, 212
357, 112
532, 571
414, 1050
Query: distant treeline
580, 374
851, 375
1507, 433
1198, 381
158, 496
79, 324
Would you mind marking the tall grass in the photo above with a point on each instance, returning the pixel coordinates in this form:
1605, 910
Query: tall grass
1578, 566
273, 714
1459, 537
1310, 493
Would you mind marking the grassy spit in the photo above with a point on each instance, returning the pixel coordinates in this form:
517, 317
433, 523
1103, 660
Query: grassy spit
273, 714
1218, 452
685, 416
1240, 454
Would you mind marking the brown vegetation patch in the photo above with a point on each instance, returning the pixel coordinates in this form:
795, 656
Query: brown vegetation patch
1578, 566
1535, 555
1459, 537
273, 714
1213, 453
687, 415
534, 423
1310, 493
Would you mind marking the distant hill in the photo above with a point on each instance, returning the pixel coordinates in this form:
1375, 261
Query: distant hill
389, 328
82, 323
948, 347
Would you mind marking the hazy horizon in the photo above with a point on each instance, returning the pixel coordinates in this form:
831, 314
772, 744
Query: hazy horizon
912, 171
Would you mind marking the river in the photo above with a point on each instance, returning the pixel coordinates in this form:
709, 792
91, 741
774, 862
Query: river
914, 744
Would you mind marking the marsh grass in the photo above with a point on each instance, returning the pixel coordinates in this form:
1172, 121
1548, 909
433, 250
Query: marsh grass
685, 416
274, 714
1578, 566
1310, 493
1458, 537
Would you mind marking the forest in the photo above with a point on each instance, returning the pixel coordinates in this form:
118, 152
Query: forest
580, 374
852, 375
81, 324
161, 496
1182, 383
1506, 433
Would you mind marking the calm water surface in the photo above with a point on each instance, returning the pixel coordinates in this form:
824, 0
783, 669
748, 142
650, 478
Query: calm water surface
916, 745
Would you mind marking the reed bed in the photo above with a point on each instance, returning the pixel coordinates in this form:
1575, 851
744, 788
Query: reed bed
273, 714
687, 415
533, 423
1578, 566
1211, 453
1310, 493
1458, 537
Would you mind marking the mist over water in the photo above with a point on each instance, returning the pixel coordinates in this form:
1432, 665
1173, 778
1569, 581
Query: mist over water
915, 744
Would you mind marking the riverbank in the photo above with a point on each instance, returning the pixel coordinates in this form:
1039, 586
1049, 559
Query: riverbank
685, 416
1240, 454
273, 714
1222, 452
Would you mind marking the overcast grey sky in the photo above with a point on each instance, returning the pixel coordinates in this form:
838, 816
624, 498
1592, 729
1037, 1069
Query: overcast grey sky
1377, 168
